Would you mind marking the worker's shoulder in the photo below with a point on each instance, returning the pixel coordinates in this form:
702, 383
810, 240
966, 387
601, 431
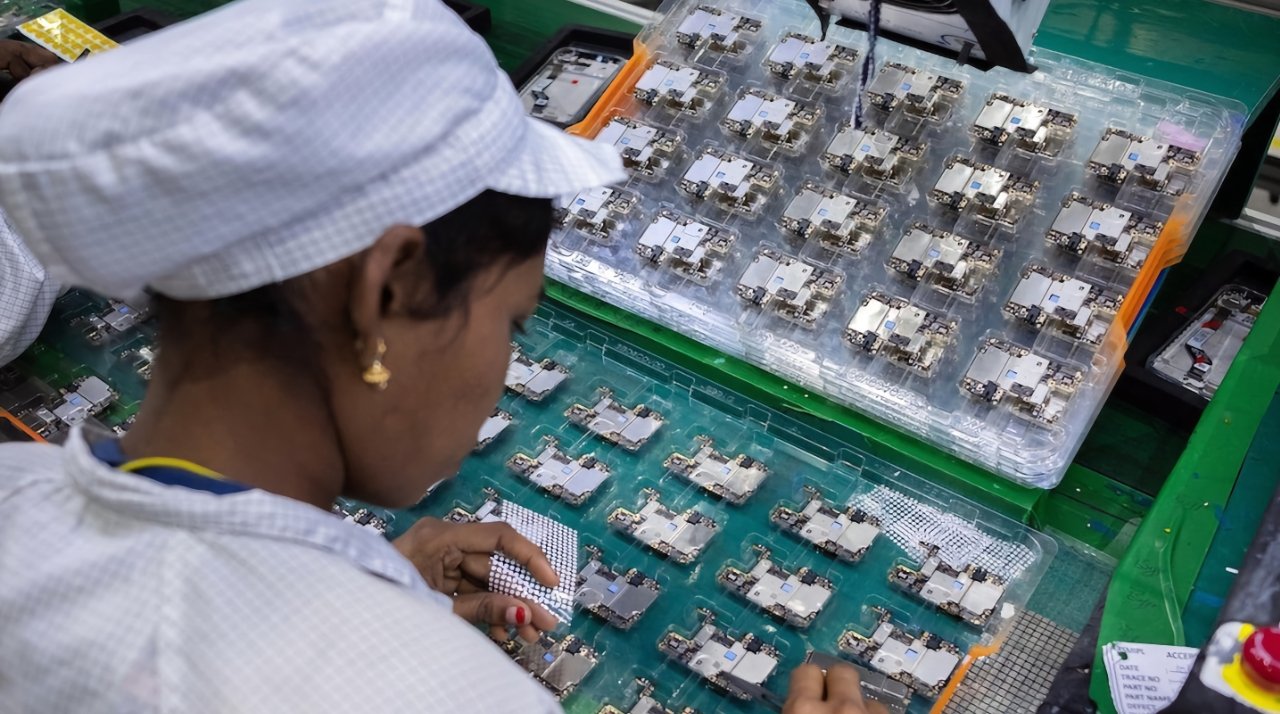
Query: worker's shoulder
328, 633
23, 463
17, 454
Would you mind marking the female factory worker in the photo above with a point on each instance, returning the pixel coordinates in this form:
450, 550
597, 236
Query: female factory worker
263, 170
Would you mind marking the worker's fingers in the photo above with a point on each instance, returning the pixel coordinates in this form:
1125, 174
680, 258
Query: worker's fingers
493, 609
426, 545
542, 617
806, 685
38, 57
475, 567
874, 707
844, 686
18, 68
487, 538
19, 58
505, 612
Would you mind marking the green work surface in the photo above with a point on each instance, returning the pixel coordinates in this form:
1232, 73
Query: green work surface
1201, 45
1149, 592
1238, 522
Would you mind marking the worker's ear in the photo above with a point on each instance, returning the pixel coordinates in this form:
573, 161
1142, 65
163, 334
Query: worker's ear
389, 281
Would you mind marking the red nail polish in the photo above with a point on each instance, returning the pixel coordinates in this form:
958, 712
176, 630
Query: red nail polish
520, 616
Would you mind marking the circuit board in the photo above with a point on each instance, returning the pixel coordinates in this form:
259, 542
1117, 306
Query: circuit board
77, 345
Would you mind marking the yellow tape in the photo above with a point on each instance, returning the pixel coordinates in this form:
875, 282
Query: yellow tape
63, 34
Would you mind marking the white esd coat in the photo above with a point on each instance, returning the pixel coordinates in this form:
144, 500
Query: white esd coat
26, 294
120, 594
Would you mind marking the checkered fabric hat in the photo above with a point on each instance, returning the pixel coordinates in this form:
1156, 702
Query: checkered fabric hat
267, 139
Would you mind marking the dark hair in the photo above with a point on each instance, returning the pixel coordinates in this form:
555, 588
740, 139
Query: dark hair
489, 230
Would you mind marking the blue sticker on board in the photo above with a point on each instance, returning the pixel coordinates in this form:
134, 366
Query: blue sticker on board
1015, 120
1011, 374
1094, 226
975, 185
888, 324
787, 587
1133, 156
731, 656
1054, 298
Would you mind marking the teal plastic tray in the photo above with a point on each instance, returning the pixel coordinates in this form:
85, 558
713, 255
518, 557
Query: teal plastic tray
796, 456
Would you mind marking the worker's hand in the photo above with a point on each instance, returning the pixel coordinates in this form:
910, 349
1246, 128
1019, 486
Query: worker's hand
454, 559
21, 59
839, 691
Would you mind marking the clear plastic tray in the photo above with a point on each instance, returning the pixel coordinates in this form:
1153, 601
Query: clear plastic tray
1011, 441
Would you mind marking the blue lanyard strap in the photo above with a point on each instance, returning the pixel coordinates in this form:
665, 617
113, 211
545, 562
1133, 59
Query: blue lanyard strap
166, 471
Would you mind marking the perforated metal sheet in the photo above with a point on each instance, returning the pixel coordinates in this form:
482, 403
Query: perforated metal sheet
910, 523
559, 542
1016, 679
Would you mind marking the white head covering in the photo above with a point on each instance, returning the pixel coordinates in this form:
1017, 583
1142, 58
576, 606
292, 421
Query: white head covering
267, 139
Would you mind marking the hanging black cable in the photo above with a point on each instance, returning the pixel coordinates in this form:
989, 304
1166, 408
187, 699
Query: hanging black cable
868, 62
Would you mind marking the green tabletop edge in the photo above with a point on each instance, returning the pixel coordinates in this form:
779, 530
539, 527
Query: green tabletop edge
1154, 578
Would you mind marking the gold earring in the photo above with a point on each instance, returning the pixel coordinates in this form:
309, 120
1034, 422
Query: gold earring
377, 374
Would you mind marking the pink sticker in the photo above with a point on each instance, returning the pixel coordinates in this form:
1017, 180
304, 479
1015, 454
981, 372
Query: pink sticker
1176, 135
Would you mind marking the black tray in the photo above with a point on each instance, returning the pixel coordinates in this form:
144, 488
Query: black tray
136, 23
477, 17
1158, 396
585, 36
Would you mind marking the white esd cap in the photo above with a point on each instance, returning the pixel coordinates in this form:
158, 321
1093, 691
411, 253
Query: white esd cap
267, 139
